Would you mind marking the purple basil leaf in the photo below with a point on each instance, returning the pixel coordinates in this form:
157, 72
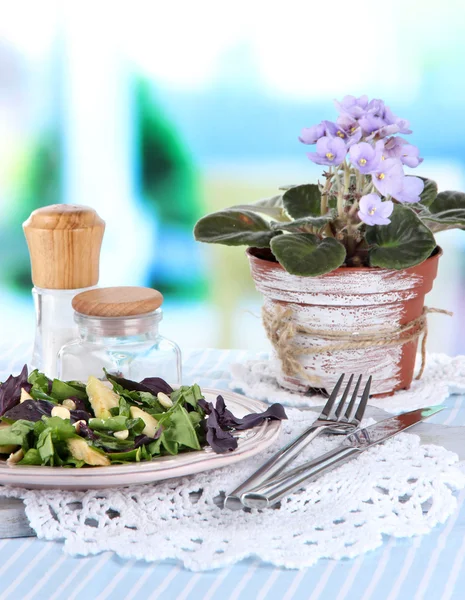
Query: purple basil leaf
207, 407
34, 410
275, 412
79, 415
156, 385
79, 402
10, 390
220, 441
228, 421
143, 440
152, 385
225, 417
139, 440
127, 384
30, 410
87, 432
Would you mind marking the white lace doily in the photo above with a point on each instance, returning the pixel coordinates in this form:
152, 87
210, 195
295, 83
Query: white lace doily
444, 375
399, 488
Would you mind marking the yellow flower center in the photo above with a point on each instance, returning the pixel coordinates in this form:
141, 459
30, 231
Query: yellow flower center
372, 210
383, 157
353, 129
341, 134
329, 155
380, 176
362, 161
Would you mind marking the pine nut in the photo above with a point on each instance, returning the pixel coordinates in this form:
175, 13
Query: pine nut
61, 411
164, 400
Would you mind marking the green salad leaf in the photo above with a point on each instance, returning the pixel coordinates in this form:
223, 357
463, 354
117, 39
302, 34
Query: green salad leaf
16, 434
181, 429
62, 390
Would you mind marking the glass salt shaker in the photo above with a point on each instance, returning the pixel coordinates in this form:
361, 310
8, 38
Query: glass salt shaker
119, 331
64, 242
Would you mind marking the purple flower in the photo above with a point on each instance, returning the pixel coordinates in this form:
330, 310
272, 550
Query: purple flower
371, 123
334, 130
364, 157
345, 128
373, 119
310, 135
392, 126
409, 189
387, 177
376, 107
329, 151
383, 132
352, 106
373, 211
391, 119
380, 121
397, 147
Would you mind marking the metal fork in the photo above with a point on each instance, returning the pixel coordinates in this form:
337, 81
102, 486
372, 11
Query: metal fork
331, 421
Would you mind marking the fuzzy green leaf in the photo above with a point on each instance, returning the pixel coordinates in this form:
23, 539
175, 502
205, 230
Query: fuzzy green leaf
272, 207
448, 201
298, 224
446, 212
429, 193
307, 255
303, 201
234, 228
449, 219
405, 242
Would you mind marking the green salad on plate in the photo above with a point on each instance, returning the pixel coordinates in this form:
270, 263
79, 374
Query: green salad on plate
112, 420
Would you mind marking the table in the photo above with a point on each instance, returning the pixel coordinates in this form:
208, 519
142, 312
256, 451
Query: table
426, 567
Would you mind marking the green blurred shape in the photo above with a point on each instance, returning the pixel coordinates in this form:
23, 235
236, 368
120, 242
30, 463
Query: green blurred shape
169, 188
37, 183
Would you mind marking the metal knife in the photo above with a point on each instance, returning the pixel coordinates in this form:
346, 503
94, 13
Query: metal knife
276, 489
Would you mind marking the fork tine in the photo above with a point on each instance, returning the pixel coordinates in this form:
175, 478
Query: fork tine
350, 408
340, 406
363, 402
332, 399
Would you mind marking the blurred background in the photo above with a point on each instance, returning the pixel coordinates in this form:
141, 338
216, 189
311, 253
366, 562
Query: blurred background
156, 113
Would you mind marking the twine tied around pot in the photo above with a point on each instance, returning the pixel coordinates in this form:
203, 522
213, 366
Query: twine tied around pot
280, 329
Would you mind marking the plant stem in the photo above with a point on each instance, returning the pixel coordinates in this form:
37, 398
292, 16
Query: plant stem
346, 177
340, 194
353, 208
325, 192
362, 182
351, 245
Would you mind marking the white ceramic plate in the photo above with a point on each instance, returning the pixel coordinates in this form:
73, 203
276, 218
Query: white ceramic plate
250, 442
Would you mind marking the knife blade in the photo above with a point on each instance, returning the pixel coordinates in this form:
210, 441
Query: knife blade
354, 444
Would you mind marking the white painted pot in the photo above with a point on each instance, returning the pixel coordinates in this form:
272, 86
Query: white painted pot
354, 301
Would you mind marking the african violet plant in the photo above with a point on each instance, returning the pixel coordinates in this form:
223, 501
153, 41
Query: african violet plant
365, 212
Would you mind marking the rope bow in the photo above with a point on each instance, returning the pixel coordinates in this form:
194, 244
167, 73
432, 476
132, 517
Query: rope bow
281, 329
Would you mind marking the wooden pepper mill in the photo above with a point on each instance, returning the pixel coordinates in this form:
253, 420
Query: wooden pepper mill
64, 244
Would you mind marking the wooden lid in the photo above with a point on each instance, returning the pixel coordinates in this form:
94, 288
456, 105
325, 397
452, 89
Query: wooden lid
117, 301
64, 243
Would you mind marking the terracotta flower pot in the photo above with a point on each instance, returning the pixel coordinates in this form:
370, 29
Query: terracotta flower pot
355, 301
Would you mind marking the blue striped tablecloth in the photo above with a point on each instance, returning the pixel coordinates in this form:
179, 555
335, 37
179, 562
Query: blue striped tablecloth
428, 567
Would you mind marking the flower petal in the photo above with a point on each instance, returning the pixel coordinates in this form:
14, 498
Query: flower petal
385, 209
369, 202
368, 219
381, 220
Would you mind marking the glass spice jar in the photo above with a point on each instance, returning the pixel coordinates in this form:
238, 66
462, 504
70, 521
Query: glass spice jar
64, 243
118, 331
